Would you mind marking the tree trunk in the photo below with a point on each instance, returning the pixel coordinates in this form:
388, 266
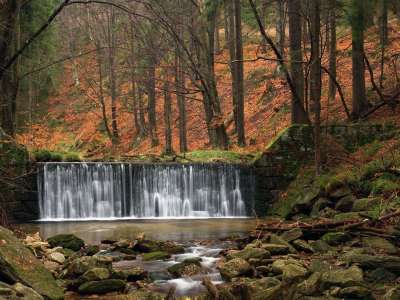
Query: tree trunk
315, 78
239, 75
332, 50
383, 35
151, 96
296, 58
113, 78
281, 25
180, 86
359, 99
167, 118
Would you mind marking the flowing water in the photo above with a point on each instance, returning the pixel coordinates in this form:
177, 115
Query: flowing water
98, 191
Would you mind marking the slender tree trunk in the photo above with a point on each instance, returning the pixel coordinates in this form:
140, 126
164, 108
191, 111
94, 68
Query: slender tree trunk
315, 78
383, 35
217, 45
151, 94
360, 103
332, 50
281, 25
180, 86
239, 75
296, 58
167, 118
113, 78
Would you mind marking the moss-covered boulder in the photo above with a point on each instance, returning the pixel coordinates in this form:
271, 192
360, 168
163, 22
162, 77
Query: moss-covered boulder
335, 238
379, 244
156, 255
96, 274
185, 269
130, 274
83, 264
235, 268
353, 276
249, 253
389, 262
102, 287
18, 264
68, 241
366, 204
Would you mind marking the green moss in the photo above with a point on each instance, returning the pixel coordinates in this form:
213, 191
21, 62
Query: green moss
218, 156
157, 255
373, 148
54, 156
382, 185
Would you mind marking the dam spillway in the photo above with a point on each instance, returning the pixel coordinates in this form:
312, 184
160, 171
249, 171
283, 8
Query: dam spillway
90, 191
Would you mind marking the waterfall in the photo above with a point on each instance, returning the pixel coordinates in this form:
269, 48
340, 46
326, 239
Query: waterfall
84, 191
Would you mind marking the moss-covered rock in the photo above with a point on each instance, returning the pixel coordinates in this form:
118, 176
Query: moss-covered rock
379, 244
335, 238
17, 263
185, 269
366, 204
96, 274
83, 264
156, 255
234, 268
249, 253
342, 277
102, 287
68, 241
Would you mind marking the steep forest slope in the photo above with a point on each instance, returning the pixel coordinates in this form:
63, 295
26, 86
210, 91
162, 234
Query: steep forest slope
73, 121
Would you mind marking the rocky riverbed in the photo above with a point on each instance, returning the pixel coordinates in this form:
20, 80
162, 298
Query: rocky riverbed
286, 263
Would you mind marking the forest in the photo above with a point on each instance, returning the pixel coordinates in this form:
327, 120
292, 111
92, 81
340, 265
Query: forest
199, 149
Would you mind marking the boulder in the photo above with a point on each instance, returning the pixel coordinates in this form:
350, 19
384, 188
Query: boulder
391, 263
18, 264
292, 234
319, 246
130, 274
289, 268
122, 243
83, 264
355, 292
102, 287
338, 191
185, 269
380, 275
96, 274
156, 255
276, 249
302, 245
142, 294
319, 205
68, 241
91, 250
249, 253
57, 257
310, 286
345, 204
342, 277
234, 268
147, 246
27, 292
380, 244
335, 238
275, 239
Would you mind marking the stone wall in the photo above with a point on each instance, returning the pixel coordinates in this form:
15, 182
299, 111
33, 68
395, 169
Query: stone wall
279, 164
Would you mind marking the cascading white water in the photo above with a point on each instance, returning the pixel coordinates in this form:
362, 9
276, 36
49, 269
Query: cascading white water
116, 190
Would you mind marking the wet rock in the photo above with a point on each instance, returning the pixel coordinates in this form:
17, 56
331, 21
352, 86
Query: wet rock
146, 246
234, 268
355, 292
391, 263
144, 295
249, 253
156, 255
345, 204
319, 246
96, 274
310, 286
26, 292
290, 269
342, 277
81, 265
380, 275
257, 287
57, 257
303, 246
276, 249
185, 269
130, 274
122, 244
379, 243
292, 234
68, 241
18, 264
91, 250
102, 287
275, 239
392, 294
335, 238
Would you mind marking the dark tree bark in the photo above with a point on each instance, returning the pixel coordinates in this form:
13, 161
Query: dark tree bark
180, 87
281, 25
239, 75
168, 150
113, 76
151, 96
332, 50
383, 36
360, 103
296, 58
315, 78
